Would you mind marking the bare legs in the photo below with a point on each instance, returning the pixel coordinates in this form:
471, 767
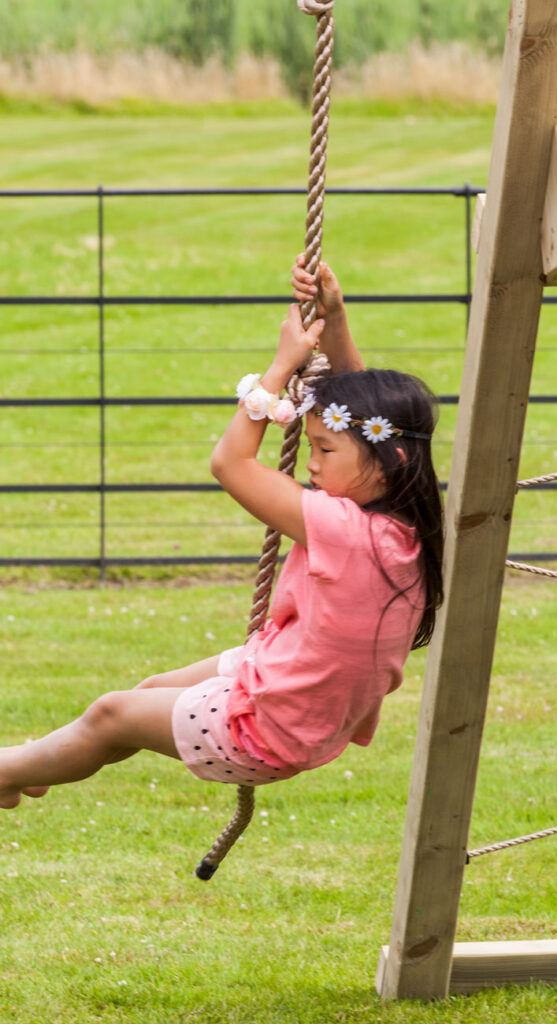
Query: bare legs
114, 727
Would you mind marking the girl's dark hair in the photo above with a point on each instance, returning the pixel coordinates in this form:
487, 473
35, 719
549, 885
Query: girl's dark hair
413, 494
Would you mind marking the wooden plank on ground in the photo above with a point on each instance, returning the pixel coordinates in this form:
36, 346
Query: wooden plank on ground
478, 965
501, 343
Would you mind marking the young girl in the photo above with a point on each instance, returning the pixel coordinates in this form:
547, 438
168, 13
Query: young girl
359, 588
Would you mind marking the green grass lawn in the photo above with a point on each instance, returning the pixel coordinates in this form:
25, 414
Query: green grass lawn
209, 245
102, 918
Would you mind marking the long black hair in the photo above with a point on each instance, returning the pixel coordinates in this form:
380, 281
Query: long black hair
412, 494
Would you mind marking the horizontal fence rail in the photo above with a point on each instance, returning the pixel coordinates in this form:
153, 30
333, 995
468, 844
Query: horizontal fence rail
101, 401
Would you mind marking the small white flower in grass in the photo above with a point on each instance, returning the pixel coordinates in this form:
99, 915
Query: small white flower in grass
92, 611
264, 822
246, 384
204, 808
377, 428
64, 881
265, 839
152, 787
122, 982
98, 960
264, 814
152, 611
123, 610
11, 618
209, 635
100, 803
112, 954
15, 845
348, 774
292, 817
307, 403
108, 611
183, 618
336, 417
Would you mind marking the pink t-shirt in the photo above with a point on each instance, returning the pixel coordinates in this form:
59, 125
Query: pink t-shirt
335, 642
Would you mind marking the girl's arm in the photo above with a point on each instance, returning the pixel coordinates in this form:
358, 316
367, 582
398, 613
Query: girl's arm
336, 341
269, 495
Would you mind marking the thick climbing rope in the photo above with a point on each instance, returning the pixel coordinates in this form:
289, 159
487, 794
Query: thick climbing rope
524, 566
298, 385
506, 843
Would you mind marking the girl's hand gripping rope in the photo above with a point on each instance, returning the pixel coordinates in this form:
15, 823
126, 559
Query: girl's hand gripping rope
336, 341
294, 347
324, 285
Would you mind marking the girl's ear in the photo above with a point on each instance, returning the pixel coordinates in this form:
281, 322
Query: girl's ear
402, 455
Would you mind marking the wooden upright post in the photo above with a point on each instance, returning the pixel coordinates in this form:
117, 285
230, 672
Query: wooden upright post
501, 344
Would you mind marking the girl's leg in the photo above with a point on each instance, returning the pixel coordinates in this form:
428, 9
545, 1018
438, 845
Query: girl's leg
182, 677
115, 726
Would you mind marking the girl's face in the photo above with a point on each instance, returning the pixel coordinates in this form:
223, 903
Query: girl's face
339, 465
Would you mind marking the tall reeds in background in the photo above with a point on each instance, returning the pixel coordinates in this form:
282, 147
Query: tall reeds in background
187, 50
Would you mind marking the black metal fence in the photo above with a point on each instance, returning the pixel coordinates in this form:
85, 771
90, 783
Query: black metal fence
102, 401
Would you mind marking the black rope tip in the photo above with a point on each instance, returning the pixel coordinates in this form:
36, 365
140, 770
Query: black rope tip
205, 871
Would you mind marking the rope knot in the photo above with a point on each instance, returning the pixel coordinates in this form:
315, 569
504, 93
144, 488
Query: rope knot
316, 7
302, 381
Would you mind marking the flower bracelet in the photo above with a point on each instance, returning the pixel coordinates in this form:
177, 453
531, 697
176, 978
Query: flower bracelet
260, 403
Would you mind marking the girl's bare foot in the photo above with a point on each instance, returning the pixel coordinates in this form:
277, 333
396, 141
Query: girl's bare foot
9, 798
35, 791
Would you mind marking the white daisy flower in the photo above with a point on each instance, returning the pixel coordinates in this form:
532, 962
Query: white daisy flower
308, 402
377, 428
336, 417
247, 384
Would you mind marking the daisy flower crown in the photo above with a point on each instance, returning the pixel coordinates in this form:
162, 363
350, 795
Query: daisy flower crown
338, 417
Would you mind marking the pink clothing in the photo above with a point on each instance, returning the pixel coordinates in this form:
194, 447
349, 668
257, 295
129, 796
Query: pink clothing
335, 643
203, 738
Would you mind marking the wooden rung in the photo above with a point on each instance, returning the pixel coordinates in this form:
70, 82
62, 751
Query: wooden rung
477, 222
479, 965
549, 222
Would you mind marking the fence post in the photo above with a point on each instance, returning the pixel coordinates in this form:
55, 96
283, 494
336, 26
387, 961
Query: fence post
102, 407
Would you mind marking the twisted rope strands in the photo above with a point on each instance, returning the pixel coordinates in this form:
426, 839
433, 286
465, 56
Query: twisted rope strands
524, 566
317, 365
511, 842
535, 569
549, 478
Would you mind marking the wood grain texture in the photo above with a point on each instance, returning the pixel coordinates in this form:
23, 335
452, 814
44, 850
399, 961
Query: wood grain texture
501, 343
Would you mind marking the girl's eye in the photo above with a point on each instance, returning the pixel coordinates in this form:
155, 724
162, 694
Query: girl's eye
326, 450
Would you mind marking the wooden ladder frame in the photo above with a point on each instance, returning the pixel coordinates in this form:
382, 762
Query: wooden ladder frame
510, 278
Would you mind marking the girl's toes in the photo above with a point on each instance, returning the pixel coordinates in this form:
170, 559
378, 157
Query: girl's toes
9, 798
35, 791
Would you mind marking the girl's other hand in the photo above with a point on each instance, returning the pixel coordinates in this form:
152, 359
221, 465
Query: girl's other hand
295, 345
327, 288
